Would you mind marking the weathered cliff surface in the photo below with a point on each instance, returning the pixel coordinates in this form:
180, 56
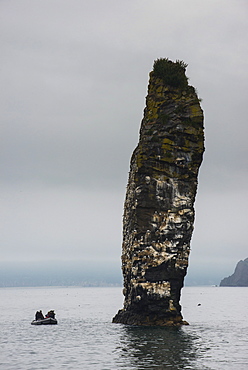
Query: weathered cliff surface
239, 277
158, 211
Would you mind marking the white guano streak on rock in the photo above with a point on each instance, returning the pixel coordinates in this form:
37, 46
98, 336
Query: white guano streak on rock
162, 289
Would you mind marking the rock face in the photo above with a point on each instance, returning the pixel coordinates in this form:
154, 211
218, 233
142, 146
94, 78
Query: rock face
239, 277
158, 211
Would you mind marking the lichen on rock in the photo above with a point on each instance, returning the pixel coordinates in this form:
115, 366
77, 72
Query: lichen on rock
159, 207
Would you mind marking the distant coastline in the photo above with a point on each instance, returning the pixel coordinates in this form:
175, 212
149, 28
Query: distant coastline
240, 276
90, 273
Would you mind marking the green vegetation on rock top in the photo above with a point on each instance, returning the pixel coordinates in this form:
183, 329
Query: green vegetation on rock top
172, 73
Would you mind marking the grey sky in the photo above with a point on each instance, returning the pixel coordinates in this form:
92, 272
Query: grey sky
74, 78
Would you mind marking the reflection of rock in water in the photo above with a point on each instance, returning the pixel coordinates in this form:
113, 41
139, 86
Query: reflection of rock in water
158, 213
158, 348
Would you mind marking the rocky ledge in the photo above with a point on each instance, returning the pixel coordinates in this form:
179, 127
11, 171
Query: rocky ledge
158, 211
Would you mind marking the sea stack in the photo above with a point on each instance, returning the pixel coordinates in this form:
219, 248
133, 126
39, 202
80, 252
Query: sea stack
159, 207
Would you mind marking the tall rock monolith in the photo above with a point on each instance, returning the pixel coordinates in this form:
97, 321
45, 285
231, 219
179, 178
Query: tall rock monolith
159, 207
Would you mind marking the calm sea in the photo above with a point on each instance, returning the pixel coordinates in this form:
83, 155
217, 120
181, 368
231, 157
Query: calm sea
85, 338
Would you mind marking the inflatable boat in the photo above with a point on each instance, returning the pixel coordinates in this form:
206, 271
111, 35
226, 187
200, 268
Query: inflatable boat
45, 321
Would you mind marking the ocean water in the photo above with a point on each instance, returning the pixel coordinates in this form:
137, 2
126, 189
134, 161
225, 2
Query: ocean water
85, 338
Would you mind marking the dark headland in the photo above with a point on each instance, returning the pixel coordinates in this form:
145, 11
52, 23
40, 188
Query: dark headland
239, 277
159, 207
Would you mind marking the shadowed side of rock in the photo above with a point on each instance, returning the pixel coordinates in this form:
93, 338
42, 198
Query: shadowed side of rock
158, 211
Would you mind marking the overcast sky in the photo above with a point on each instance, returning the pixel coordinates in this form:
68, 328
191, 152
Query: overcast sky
74, 78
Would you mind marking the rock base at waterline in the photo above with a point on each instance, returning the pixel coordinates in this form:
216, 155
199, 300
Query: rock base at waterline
132, 318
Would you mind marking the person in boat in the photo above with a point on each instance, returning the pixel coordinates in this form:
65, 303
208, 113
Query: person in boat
51, 314
39, 315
